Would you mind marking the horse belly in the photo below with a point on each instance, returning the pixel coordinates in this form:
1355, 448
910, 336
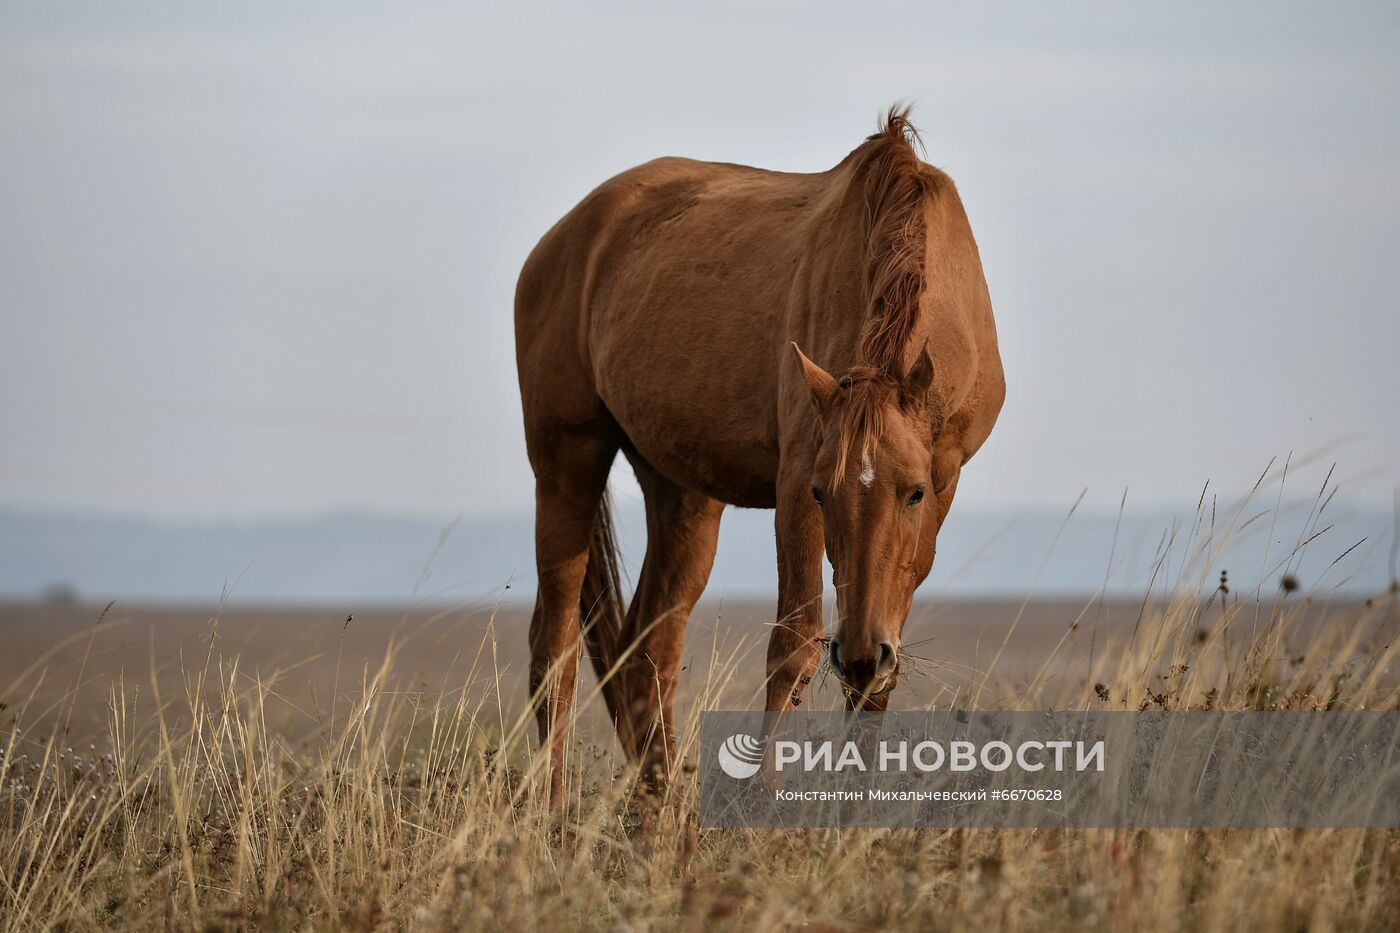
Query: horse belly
712, 435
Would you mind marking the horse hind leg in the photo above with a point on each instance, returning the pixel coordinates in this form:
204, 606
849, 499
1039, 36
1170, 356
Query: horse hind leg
571, 474
682, 535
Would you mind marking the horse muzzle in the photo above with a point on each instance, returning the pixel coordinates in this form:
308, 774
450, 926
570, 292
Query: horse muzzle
865, 666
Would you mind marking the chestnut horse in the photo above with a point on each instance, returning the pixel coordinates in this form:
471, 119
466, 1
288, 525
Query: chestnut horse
663, 317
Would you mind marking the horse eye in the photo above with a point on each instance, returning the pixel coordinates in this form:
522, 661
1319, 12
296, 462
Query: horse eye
917, 496
817, 494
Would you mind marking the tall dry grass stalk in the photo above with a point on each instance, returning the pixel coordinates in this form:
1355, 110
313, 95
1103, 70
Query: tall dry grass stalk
229, 805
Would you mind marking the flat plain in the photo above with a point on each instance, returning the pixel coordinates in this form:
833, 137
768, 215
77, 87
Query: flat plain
956, 648
253, 767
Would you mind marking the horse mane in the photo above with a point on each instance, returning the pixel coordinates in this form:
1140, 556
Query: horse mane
895, 183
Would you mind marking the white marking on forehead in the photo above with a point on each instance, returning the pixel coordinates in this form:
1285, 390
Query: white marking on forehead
867, 469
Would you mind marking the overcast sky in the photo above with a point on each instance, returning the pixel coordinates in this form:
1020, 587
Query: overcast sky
257, 260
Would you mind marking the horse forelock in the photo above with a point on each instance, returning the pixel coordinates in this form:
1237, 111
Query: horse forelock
896, 183
868, 391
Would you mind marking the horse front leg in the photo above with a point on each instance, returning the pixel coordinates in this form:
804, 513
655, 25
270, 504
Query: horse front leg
795, 647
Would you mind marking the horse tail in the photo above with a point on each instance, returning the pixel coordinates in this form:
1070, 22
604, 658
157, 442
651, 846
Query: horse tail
601, 611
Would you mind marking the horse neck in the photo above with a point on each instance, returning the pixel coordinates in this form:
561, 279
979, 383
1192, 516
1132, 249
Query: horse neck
837, 255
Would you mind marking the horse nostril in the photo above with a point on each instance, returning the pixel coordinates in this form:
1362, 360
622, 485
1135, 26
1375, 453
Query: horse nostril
836, 658
888, 656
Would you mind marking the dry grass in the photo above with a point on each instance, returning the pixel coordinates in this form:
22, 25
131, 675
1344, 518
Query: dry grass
229, 804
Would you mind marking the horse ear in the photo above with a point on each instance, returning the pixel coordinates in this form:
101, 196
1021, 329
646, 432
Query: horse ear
819, 382
919, 379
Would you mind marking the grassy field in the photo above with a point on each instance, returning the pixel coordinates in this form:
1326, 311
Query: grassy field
247, 768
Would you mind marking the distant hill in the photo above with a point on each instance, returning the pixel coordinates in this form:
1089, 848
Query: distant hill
365, 558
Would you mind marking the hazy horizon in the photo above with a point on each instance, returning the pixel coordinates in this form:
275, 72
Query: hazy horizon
355, 559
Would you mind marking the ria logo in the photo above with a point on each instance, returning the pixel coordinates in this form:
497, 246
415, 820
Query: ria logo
740, 756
